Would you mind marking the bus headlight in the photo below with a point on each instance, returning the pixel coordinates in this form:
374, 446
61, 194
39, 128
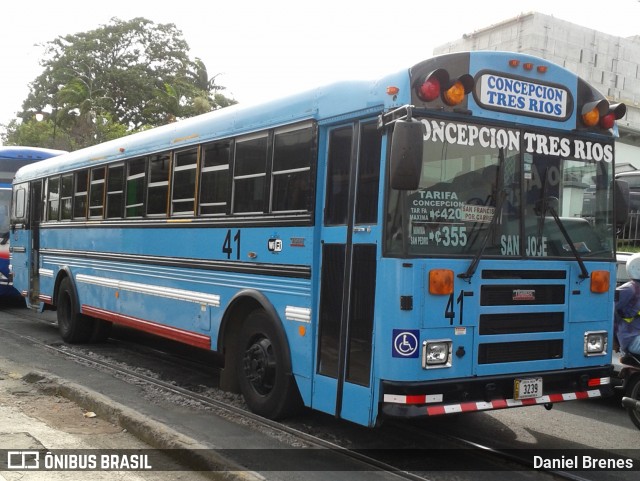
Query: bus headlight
436, 353
595, 343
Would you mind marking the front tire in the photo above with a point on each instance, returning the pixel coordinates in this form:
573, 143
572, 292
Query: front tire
73, 326
633, 391
263, 369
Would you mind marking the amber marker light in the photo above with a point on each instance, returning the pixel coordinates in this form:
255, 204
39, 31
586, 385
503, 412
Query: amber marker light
600, 281
393, 90
441, 281
591, 117
454, 94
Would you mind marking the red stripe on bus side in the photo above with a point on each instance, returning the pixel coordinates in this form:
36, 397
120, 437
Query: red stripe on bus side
180, 335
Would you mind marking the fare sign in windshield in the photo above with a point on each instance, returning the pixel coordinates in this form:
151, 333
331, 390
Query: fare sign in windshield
524, 97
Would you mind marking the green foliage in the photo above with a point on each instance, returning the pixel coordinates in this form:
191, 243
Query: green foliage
105, 83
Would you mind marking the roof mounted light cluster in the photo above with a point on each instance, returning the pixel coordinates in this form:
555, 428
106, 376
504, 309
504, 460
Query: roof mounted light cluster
601, 114
439, 85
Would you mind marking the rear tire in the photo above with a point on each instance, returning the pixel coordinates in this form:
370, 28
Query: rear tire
101, 330
263, 370
73, 326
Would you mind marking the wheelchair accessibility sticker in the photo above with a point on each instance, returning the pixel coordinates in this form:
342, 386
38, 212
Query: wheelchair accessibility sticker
405, 343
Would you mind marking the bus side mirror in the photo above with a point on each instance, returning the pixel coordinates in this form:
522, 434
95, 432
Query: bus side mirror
621, 201
405, 162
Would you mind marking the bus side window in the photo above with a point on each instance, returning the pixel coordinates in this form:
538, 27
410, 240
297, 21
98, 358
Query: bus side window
183, 185
53, 198
158, 187
115, 191
214, 180
66, 197
80, 195
96, 193
250, 174
134, 205
291, 180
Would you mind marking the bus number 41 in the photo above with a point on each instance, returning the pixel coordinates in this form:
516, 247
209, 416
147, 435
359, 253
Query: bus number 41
227, 247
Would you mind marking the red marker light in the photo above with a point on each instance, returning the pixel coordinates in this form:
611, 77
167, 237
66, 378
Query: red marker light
430, 89
607, 122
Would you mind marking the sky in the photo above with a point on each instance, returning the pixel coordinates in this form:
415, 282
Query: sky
262, 50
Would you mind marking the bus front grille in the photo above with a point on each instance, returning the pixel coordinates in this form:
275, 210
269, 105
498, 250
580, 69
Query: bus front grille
522, 295
502, 352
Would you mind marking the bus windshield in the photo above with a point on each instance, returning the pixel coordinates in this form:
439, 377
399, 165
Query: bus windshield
511, 191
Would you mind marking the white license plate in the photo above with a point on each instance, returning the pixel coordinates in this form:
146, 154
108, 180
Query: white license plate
527, 388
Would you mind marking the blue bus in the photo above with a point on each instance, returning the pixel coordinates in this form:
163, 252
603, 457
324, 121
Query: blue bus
11, 159
406, 247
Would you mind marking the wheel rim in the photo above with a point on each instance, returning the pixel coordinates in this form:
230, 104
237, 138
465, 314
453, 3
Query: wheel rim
259, 364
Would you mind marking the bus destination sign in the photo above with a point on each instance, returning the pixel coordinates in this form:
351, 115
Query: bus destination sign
498, 92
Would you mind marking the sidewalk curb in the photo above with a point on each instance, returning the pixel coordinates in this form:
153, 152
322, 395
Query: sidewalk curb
192, 454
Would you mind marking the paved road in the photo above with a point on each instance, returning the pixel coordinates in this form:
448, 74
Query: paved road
36, 420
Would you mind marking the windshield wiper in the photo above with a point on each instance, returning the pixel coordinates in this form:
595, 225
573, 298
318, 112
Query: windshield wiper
4, 238
502, 195
548, 205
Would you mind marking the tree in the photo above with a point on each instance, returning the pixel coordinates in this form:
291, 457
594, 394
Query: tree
117, 79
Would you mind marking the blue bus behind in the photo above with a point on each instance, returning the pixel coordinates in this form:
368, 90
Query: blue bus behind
406, 247
11, 159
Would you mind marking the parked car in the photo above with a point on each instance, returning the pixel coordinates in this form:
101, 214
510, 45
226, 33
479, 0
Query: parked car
633, 179
621, 270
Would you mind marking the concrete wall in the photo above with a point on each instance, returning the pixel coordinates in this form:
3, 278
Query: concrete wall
611, 64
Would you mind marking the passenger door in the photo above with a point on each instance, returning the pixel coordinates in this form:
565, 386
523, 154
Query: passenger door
342, 384
24, 243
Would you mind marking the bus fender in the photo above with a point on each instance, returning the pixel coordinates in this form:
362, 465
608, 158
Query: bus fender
62, 273
240, 306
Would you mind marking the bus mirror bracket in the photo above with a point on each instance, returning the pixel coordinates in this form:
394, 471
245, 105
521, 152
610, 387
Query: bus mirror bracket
405, 161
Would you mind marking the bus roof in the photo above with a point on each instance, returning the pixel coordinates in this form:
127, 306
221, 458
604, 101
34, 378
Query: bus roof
337, 101
317, 104
13, 158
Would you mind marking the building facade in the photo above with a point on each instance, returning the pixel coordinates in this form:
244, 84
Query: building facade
610, 63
